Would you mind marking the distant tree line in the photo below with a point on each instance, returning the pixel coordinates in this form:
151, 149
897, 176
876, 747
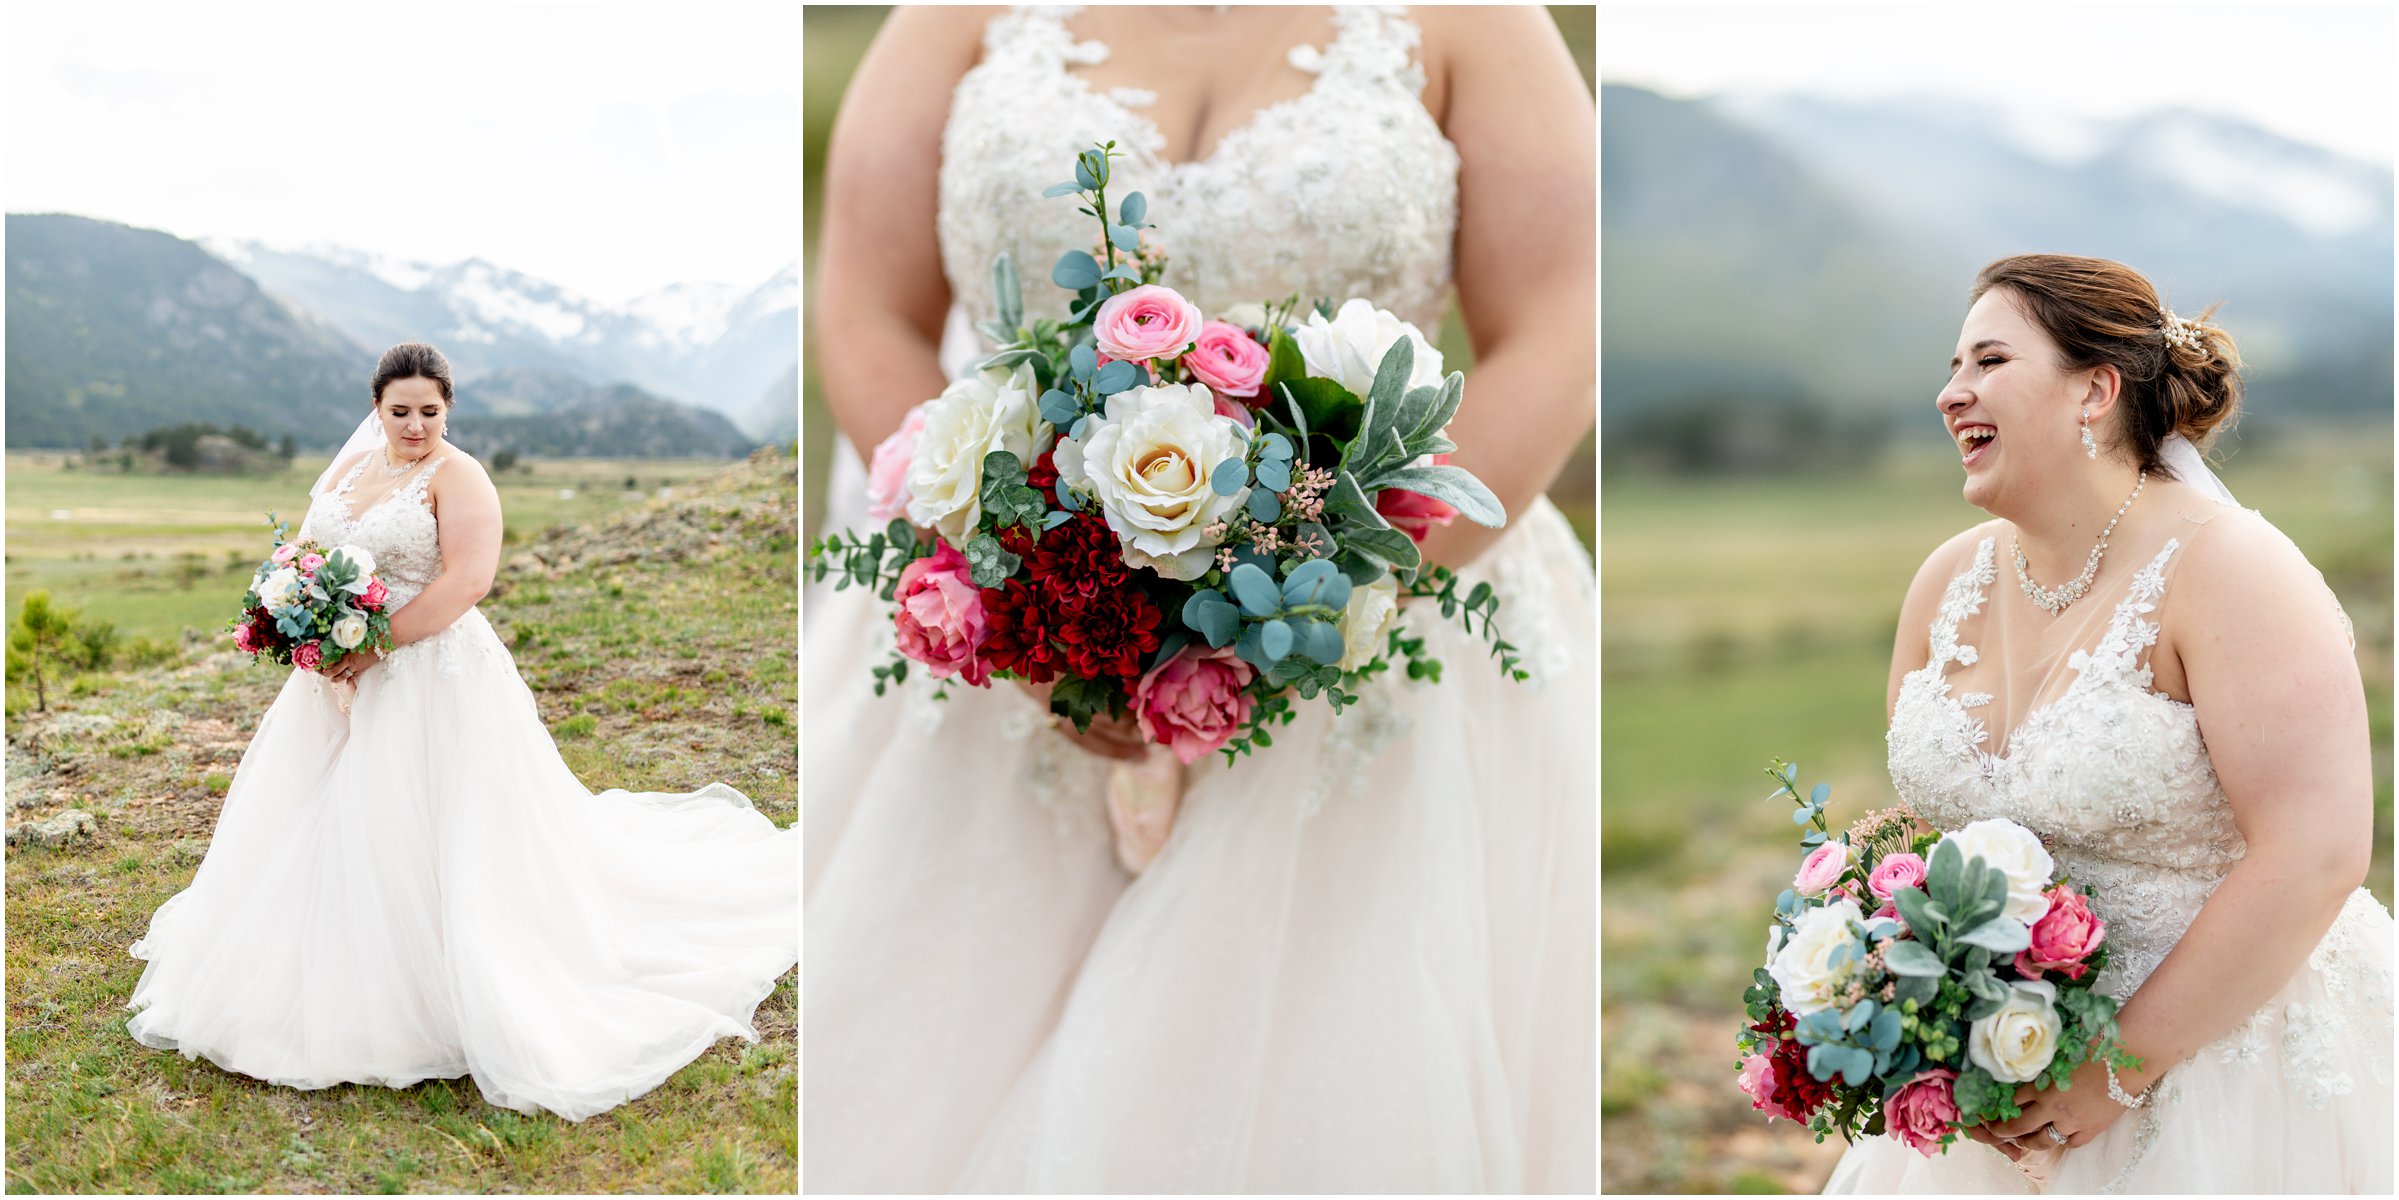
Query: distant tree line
195, 446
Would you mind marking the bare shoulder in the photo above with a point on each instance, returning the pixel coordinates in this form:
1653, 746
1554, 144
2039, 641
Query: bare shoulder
941, 34
2237, 563
460, 472
1946, 561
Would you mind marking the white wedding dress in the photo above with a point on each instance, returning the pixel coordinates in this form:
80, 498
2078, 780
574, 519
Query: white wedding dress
421, 889
1363, 961
2297, 1097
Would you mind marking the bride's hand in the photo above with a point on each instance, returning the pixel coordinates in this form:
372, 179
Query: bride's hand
1109, 737
2081, 1112
352, 665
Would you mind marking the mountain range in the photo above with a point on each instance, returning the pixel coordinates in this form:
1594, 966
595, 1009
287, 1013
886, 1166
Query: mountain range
1801, 251
117, 330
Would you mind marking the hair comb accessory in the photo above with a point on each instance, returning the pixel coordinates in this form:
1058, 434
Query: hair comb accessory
2182, 331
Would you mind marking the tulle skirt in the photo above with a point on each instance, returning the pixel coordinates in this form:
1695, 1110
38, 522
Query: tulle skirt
421, 889
1363, 961
2295, 1100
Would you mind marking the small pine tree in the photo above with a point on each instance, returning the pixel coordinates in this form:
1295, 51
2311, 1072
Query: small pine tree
41, 644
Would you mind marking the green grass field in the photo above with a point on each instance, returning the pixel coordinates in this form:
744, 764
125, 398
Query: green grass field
156, 553
659, 642
1745, 619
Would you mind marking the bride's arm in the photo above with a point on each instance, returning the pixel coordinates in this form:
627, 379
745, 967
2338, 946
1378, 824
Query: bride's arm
1526, 261
2284, 717
469, 508
880, 296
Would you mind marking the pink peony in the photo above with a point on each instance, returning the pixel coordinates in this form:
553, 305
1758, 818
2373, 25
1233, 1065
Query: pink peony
307, 655
1234, 410
310, 562
1822, 869
285, 553
887, 477
1143, 323
1923, 1112
1757, 1081
940, 616
1895, 872
1412, 514
242, 639
373, 598
1194, 701
2065, 935
1227, 359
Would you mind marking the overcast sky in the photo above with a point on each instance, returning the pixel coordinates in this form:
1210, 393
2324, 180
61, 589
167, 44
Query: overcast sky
2316, 74
610, 148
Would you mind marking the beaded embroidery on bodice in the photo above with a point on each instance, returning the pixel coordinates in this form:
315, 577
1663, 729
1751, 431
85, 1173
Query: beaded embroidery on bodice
2113, 776
398, 530
1347, 190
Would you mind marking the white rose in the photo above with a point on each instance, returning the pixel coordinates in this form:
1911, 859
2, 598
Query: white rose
2016, 1043
2012, 850
1148, 458
281, 588
1248, 315
974, 416
1348, 348
1803, 968
357, 556
1372, 611
349, 630
1774, 939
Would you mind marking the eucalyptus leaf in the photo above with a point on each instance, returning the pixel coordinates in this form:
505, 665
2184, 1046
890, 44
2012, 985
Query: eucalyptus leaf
1214, 620
1069, 499
1913, 958
1999, 935
1075, 271
1055, 519
1230, 476
1133, 208
1256, 590
1250, 650
1086, 178
1124, 271
1116, 377
1886, 1030
1320, 640
1006, 293
1814, 837
1302, 583
1274, 446
1274, 474
1082, 360
1264, 506
1275, 639
1125, 238
1067, 188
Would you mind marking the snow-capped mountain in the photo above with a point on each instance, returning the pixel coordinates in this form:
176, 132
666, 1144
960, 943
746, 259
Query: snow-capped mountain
709, 344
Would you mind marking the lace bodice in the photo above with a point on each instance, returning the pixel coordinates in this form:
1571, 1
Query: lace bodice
2113, 776
1347, 190
398, 530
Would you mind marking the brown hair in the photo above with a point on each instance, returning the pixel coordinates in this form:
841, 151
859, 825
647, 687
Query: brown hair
412, 360
2105, 313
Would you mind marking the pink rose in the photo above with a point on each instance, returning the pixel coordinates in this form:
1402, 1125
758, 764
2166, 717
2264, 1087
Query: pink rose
2065, 935
1923, 1111
1143, 323
307, 655
1894, 872
374, 596
1234, 410
310, 562
1413, 514
1822, 869
887, 478
940, 617
1227, 359
285, 553
1757, 1081
242, 640
1193, 702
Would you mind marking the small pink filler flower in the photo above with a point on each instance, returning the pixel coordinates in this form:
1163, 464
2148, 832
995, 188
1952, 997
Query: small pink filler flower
940, 616
1193, 703
1143, 323
1923, 1111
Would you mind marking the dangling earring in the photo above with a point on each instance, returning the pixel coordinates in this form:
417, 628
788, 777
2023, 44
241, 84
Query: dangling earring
2090, 448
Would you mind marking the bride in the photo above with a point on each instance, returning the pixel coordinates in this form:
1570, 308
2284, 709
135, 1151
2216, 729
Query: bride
2155, 681
1361, 960
407, 883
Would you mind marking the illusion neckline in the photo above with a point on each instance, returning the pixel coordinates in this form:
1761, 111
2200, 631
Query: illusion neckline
1151, 140
341, 495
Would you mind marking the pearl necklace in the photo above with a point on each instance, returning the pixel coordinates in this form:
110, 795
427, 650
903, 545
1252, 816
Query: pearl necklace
2054, 600
392, 472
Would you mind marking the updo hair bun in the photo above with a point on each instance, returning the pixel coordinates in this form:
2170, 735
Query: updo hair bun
412, 360
2201, 384
2179, 375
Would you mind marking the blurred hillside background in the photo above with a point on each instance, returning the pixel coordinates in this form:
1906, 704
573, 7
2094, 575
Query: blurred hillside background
837, 36
1794, 203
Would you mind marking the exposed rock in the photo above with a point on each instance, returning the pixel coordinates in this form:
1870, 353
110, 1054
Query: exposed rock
55, 831
72, 725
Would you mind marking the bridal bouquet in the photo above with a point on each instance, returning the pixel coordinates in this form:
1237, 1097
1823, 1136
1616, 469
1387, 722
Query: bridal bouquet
1914, 980
1167, 515
308, 606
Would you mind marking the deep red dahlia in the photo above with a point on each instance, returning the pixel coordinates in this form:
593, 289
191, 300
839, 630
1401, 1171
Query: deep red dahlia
1021, 630
1792, 1083
1111, 633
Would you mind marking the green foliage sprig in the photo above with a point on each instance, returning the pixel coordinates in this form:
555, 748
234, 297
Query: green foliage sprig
873, 562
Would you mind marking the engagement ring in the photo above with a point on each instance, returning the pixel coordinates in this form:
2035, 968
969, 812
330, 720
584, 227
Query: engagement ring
2050, 1132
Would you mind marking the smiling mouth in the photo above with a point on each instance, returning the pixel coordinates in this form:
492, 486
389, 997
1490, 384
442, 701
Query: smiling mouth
1975, 443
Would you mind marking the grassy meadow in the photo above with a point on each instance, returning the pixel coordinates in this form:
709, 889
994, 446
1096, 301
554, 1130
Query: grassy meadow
1749, 618
658, 638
